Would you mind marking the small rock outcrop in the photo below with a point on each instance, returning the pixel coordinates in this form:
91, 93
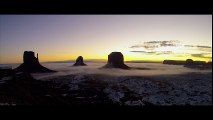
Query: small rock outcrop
79, 61
31, 64
116, 60
189, 62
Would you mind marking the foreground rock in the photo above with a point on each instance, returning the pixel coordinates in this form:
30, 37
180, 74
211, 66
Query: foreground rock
116, 60
79, 61
6, 71
31, 64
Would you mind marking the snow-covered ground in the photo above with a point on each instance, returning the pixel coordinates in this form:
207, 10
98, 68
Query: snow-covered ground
157, 84
191, 89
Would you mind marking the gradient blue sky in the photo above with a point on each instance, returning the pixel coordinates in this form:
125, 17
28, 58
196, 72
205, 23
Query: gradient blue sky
65, 37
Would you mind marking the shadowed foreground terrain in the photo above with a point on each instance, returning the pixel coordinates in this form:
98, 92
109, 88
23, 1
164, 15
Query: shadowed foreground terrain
23, 89
104, 90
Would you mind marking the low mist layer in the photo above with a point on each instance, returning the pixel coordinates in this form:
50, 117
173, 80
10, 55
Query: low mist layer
137, 69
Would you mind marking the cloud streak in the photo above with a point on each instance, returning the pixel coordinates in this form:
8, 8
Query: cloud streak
203, 46
202, 55
144, 52
156, 44
174, 48
154, 52
198, 46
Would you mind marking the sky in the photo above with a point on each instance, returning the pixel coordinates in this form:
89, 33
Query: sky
138, 37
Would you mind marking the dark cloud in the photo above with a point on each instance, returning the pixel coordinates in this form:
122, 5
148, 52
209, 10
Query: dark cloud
189, 46
143, 52
198, 46
169, 43
156, 44
203, 46
153, 42
200, 55
136, 46
164, 41
149, 48
164, 52
154, 52
139, 51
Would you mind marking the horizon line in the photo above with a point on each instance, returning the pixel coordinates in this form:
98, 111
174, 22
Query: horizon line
105, 60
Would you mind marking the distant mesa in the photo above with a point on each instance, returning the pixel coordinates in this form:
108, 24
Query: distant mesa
174, 62
116, 60
209, 63
198, 64
190, 63
79, 61
31, 64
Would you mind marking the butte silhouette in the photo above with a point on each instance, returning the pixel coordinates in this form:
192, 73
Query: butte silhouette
31, 64
116, 60
79, 61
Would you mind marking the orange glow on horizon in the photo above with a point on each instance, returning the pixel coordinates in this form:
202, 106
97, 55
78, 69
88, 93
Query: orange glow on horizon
101, 55
104, 59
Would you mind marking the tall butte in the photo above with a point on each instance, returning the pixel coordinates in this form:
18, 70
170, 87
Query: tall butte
116, 60
79, 61
31, 64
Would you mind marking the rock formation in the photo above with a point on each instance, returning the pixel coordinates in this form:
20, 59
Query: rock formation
6, 71
116, 60
189, 62
31, 64
198, 64
174, 62
209, 63
79, 61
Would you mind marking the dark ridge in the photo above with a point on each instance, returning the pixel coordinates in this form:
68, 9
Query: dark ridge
174, 62
189, 63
